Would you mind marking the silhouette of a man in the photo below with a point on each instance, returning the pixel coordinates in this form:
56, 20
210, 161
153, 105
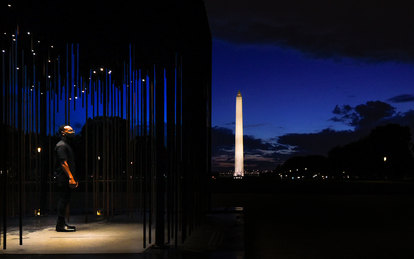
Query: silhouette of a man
64, 175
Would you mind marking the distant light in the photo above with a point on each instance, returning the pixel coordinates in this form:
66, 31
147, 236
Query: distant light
143, 80
297, 170
99, 158
94, 72
31, 90
83, 91
385, 159
51, 46
39, 149
70, 98
17, 68
34, 54
109, 72
49, 60
293, 178
32, 50
3, 50
132, 163
306, 168
102, 69
28, 33
38, 41
9, 5
48, 76
98, 213
76, 97
13, 35
41, 93
14, 39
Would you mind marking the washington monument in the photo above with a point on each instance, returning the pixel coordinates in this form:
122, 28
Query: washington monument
239, 157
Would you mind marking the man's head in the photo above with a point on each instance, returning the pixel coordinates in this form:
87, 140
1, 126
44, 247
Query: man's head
66, 132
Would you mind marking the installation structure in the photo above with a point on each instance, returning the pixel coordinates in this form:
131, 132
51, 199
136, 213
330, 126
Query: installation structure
125, 78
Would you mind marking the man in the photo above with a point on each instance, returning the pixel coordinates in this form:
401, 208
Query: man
64, 175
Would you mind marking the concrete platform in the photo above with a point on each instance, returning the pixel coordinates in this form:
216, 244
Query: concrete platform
40, 237
220, 236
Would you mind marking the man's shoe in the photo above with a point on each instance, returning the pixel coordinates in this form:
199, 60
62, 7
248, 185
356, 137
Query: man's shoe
64, 229
70, 227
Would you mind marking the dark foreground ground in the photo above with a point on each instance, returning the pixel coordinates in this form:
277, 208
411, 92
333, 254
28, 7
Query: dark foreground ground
297, 220
357, 220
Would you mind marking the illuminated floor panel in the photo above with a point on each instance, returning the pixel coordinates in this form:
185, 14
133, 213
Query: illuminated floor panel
97, 237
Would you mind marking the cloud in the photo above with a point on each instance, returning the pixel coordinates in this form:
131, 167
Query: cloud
403, 98
403, 119
255, 125
364, 115
258, 153
317, 143
370, 30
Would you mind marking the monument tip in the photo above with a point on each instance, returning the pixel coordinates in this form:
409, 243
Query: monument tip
238, 94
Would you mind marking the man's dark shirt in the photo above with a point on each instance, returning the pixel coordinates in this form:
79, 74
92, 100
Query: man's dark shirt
63, 152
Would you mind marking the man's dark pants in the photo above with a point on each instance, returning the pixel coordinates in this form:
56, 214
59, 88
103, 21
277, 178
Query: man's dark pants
63, 193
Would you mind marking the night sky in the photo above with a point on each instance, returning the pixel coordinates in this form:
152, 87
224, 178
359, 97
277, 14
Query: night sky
313, 74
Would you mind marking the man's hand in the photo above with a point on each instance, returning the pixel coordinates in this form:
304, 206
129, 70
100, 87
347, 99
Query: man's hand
72, 183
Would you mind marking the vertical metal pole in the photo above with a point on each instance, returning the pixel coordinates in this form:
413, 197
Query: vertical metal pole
104, 152
152, 158
177, 155
145, 158
19, 149
171, 147
85, 95
184, 156
160, 158
5, 175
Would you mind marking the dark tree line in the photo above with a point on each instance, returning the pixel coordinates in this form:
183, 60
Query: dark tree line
386, 153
